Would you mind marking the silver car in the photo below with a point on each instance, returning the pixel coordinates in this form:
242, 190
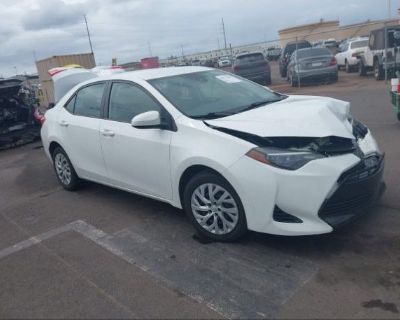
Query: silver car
312, 64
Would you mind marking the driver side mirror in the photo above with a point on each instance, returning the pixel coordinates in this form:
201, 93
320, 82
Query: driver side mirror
147, 120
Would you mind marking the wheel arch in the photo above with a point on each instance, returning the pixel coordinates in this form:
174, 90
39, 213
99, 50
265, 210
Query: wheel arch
190, 172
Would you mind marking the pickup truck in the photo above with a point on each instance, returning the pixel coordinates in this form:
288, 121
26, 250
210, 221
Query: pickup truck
376, 58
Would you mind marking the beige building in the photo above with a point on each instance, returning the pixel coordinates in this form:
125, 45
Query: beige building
85, 60
324, 30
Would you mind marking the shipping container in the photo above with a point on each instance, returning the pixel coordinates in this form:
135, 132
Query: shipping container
151, 62
86, 60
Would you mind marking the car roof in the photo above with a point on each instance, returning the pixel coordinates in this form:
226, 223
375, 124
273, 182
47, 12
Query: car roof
149, 74
240, 55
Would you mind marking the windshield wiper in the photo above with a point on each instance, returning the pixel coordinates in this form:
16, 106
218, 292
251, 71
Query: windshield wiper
260, 103
213, 115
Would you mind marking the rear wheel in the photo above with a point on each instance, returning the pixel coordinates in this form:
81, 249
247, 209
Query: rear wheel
214, 208
65, 172
378, 71
347, 67
293, 81
398, 116
362, 71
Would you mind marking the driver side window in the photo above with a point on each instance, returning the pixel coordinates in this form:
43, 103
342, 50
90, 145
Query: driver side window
127, 101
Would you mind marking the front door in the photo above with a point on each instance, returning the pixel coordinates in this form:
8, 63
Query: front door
136, 159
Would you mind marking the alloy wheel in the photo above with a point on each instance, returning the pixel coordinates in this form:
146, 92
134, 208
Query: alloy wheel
214, 209
63, 168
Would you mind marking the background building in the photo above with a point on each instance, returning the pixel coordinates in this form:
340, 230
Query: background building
323, 30
85, 60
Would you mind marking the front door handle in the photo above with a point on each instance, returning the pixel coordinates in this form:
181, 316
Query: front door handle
63, 123
107, 133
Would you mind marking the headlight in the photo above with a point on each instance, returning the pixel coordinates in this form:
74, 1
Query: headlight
289, 160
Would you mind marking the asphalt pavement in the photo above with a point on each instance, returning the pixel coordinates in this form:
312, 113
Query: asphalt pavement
105, 253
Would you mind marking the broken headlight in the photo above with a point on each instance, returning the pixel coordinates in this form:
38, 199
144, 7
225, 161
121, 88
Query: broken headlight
288, 160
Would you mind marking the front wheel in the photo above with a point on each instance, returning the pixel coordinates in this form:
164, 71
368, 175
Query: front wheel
347, 67
378, 71
214, 208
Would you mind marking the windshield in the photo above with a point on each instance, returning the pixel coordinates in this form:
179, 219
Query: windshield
359, 44
212, 94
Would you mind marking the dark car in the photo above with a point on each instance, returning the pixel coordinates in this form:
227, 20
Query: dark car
253, 66
287, 53
19, 119
312, 64
273, 54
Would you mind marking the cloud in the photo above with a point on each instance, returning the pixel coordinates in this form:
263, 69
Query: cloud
54, 14
126, 29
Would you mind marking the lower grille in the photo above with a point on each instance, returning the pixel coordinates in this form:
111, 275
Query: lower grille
358, 188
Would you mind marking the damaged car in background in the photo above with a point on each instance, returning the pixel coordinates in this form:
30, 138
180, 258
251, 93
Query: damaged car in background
234, 155
19, 117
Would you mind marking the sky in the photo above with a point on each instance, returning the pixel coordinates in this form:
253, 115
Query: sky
132, 29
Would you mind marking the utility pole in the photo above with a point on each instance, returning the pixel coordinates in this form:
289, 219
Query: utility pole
88, 33
150, 51
389, 9
223, 30
183, 55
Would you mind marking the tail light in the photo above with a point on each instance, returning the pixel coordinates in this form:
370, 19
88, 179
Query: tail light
355, 55
333, 62
39, 117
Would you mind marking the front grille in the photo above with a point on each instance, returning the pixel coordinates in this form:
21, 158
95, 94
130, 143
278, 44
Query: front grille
366, 168
358, 188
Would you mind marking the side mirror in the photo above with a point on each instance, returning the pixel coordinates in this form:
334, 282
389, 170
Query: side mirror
147, 120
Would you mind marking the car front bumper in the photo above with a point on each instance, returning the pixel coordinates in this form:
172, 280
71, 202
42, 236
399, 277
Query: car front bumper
316, 194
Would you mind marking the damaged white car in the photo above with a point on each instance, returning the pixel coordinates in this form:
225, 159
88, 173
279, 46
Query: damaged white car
234, 155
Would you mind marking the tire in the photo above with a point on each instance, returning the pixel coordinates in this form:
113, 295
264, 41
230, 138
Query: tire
293, 82
362, 71
335, 78
223, 226
378, 71
398, 116
347, 67
268, 80
64, 170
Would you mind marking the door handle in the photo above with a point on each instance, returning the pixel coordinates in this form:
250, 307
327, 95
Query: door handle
63, 123
107, 133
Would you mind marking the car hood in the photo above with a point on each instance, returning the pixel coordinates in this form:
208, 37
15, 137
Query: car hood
296, 116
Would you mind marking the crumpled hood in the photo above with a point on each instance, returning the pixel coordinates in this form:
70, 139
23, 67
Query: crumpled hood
296, 116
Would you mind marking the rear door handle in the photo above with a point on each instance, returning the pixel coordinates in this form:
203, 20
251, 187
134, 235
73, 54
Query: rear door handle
63, 123
107, 133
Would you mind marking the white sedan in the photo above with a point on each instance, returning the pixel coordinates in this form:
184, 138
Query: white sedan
234, 155
347, 57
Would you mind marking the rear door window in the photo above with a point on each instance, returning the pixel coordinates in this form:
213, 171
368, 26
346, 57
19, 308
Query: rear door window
88, 101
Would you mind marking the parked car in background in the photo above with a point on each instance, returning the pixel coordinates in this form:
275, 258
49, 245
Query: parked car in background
376, 58
234, 155
207, 63
253, 66
224, 62
312, 64
195, 62
347, 56
287, 53
273, 54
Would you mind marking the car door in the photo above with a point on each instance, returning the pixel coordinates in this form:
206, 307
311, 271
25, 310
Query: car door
79, 123
136, 159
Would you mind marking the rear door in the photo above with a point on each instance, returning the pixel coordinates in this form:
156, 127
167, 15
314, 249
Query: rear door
136, 159
79, 124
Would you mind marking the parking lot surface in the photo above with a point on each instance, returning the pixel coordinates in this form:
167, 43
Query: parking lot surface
104, 253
